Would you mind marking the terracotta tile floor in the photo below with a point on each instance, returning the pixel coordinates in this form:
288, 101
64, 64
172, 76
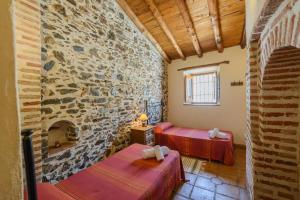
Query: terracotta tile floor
214, 181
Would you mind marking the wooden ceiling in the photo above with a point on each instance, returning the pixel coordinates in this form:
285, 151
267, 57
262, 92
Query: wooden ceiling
182, 28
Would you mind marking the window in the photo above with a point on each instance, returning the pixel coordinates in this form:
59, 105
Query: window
202, 86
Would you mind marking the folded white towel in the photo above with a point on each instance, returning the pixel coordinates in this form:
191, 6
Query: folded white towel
216, 133
158, 153
222, 135
213, 133
150, 153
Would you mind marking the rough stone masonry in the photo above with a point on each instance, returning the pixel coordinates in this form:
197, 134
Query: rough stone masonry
97, 71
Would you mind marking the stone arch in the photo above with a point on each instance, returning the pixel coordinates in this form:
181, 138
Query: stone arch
50, 122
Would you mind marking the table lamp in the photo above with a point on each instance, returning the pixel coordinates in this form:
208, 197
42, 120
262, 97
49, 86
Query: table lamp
144, 119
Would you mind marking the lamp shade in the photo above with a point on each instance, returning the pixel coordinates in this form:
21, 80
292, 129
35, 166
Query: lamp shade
143, 117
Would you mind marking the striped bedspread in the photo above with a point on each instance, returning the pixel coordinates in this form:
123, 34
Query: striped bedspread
125, 175
195, 142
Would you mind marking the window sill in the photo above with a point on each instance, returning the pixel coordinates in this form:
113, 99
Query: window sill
201, 104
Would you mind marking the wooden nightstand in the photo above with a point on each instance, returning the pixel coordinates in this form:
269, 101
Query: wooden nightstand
142, 135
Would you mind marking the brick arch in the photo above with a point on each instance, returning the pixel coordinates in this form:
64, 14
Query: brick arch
279, 123
283, 31
273, 91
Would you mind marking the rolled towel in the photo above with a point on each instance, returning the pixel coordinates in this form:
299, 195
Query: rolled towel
213, 133
158, 153
150, 153
222, 135
165, 150
216, 131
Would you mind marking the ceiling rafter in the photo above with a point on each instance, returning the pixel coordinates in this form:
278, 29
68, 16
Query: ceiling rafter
164, 26
123, 4
215, 22
243, 37
189, 25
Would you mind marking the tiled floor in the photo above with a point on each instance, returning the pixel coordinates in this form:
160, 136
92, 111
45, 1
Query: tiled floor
214, 181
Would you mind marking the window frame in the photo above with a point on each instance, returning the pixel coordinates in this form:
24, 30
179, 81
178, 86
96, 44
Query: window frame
218, 89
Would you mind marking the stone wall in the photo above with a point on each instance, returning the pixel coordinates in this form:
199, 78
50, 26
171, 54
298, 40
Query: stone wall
97, 71
273, 86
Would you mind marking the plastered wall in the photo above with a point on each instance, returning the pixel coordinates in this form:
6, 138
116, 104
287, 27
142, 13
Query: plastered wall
10, 148
230, 114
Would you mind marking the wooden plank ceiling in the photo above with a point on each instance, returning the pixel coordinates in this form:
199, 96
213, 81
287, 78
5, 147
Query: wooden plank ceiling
182, 28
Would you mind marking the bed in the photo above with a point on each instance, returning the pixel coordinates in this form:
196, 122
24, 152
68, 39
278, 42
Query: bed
195, 142
124, 174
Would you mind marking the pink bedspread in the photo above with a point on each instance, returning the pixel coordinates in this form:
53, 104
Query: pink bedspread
196, 143
125, 175
46, 191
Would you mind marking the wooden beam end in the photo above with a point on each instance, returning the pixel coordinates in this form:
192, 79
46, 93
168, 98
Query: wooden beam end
168, 60
243, 37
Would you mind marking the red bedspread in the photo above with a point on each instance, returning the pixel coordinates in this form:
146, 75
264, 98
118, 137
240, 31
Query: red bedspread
46, 191
125, 175
195, 142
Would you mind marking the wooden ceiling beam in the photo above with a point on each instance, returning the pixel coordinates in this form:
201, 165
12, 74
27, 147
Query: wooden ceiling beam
123, 4
215, 22
163, 25
243, 37
189, 25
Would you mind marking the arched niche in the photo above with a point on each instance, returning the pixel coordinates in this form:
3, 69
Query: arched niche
59, 136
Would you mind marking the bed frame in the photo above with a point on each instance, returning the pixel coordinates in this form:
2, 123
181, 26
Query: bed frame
29, 164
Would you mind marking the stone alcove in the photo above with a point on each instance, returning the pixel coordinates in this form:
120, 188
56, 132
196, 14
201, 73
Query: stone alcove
61, 135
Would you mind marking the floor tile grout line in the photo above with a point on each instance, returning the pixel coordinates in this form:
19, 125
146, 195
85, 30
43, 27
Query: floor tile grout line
215, 186
202, 187
190, 196
215, 195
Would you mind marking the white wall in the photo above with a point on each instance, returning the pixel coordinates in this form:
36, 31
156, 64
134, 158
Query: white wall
253, 9
230, 114
10, 147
